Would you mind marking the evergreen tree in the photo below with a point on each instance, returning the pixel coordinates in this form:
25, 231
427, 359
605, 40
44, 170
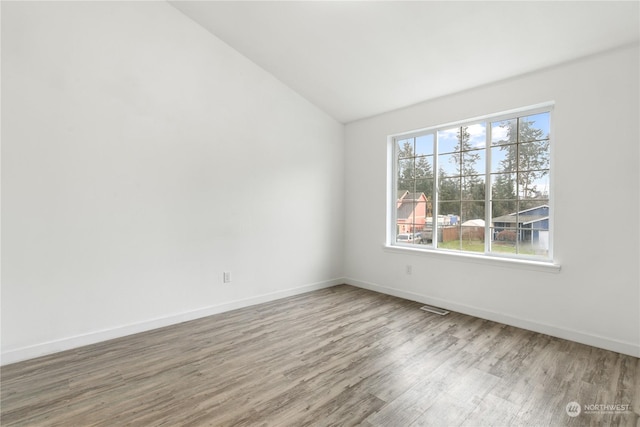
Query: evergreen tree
504, 195
527, 152
406, 167
415, 174
472, 186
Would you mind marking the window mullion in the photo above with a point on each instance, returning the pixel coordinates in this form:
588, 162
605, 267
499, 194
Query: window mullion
414, 188
394, 190
461, 179
518, 197
436, 196
487, 190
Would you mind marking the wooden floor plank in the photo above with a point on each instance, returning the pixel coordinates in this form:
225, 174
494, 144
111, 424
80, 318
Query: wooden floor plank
339, 356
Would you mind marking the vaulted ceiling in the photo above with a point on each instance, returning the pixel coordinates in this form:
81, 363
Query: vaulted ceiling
355, 59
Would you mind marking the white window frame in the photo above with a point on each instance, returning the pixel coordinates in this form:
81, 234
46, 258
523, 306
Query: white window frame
504, 259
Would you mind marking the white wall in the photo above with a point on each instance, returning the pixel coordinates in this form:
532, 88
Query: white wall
595, 298
141, 158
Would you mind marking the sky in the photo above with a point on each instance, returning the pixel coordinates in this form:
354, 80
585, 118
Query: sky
448, 140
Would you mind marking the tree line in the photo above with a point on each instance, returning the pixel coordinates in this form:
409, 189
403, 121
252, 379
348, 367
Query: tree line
525, 160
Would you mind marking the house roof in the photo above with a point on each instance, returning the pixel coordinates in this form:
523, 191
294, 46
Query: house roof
473, 223
405, 210
531, 209
521, 219
412, 196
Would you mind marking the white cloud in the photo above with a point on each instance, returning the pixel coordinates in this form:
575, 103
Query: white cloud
499, 133
477, 135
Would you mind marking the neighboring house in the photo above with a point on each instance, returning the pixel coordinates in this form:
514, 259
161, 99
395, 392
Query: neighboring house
412, 210
529, 225
473, 229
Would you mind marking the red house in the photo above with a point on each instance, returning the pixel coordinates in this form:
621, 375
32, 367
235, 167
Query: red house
412, 211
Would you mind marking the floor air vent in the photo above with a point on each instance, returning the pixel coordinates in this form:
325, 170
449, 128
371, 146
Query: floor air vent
435, 310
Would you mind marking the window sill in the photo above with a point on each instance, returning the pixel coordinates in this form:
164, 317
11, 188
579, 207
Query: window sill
546, 266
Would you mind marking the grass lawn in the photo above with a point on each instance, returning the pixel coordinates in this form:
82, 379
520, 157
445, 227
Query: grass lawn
478, 246
467, 245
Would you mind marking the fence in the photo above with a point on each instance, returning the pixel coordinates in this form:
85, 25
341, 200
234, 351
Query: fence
453, 232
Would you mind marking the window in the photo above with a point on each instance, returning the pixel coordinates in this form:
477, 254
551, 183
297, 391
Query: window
479, 186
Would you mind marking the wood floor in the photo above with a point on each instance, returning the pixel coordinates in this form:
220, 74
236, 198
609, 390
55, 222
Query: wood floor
339, 356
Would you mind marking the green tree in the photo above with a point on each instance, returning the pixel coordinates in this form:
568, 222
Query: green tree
415, 174
527, 152
472, 188
504, 195
465, 158
448, 189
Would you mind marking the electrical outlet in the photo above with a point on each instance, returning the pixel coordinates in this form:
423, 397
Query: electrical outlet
409, 269
226, 277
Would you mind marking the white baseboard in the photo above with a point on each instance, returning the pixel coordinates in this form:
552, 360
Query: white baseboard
43, 349
623, 347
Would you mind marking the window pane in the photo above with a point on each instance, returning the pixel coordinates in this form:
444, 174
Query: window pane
472, 214
503, 213
449, 237
503, 240
405, 211
534, 128
425, 186
503, 186
533, 155
448, 140
404, 186
532, 212
473, 162
508, 235
503, 158
424, 145
539, 243
504, 132
449, 164
543, 224
533, 223
533, 185
474, 136
420, 216
420, 237
405, 148
424, 167
449, 188
426, 235
534, 203
473, 187
406, 169
404, 237
448, 213
472, 227
472, 237
528, 242
524, 232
